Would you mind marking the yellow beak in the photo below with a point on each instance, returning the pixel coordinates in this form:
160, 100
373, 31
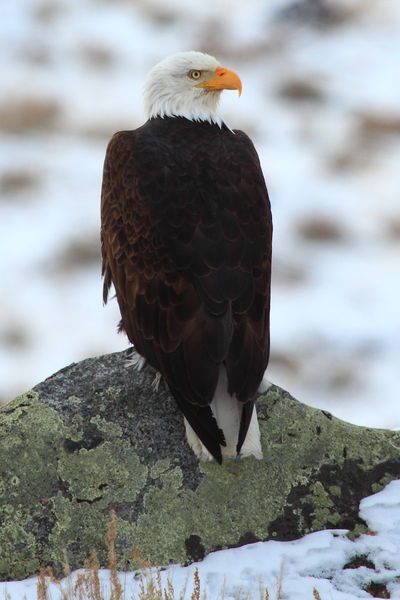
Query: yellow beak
224, 79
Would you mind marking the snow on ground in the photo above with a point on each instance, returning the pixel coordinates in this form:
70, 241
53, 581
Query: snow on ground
321, 101
327, 561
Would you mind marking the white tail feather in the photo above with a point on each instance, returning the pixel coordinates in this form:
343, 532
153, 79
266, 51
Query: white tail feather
228, 411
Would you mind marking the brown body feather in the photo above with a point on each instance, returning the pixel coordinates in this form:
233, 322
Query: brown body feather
186, 241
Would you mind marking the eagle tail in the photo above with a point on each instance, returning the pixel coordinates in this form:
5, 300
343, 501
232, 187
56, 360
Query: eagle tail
202, 431
249, 440
247, 412
235, 421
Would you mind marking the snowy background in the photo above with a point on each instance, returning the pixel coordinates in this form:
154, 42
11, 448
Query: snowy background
321, 100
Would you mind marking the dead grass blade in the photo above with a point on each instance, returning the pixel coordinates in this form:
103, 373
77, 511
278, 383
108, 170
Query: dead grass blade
116, 591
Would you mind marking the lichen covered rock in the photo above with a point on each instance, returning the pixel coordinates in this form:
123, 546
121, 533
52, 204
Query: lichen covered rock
97, 437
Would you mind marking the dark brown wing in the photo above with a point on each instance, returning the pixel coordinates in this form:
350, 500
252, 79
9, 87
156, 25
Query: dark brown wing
186, 241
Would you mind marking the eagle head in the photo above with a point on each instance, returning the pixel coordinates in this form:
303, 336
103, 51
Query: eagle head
188, 84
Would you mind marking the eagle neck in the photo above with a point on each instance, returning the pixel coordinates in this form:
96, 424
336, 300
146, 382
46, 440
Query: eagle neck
182, 123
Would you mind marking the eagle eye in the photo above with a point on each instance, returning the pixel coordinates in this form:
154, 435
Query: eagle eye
194, 74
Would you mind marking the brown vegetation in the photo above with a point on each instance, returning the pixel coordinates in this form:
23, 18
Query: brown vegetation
300, 90
320, 229
26, 113
14, 181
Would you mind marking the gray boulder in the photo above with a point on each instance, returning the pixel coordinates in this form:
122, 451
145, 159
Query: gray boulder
97, 437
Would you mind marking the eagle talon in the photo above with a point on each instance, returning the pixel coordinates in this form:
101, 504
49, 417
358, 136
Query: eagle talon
136, 361
155, 384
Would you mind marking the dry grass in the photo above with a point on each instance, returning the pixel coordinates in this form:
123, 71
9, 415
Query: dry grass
393, 229
285, 362
87, 584
27, 113
14, 181
96, 56
320, 13
76, 254
48, 11
14, 335
300, 90
321, 229
350, 159
363, 148
373, 124
112, 558
289, 273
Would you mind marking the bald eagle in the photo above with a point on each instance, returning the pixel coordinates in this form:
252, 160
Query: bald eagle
186, 242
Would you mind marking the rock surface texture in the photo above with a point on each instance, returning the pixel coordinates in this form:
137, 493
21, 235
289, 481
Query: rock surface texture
97, 437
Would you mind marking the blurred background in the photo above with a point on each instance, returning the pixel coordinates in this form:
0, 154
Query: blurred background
321, 101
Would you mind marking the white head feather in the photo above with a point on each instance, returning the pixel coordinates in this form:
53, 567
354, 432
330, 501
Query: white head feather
169, 91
